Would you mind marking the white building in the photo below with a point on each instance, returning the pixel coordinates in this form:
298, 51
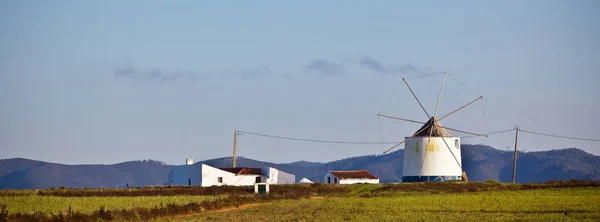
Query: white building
305, 181
350, 177
432, 155
205, 175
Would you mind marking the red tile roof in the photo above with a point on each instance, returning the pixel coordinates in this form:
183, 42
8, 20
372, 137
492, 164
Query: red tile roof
353, 174
243, 171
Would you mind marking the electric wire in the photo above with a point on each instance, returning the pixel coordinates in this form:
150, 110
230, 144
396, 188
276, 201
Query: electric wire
559, 136
398, 143
541, 134
501, 131
313, 140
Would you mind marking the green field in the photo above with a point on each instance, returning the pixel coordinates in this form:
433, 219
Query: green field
86, 205
455, 201
565, 204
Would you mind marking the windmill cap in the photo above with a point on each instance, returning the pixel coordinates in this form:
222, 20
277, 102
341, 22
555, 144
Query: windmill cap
432, 128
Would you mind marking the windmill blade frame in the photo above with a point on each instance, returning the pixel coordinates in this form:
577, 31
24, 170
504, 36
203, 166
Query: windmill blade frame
462, 107
413, 93
448, 128
429, 161
400, 143
426, 151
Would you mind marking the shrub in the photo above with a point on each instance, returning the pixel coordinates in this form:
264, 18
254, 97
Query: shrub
3, 213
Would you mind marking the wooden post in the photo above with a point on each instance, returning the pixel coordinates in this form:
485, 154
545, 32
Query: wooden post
235, 132
515, 154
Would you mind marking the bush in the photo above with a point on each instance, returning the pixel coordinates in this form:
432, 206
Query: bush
491, 181
3, 213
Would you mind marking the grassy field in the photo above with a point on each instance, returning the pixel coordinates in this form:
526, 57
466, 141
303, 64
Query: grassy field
565, 204
86, 205
475, 201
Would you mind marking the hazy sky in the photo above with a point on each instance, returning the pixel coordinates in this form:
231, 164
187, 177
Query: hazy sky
112, 81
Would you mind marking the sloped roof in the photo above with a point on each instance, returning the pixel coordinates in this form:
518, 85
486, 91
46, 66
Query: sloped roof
353, 174
243, 171
433, 128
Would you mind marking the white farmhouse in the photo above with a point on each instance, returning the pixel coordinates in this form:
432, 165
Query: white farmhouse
350, 177
205, 175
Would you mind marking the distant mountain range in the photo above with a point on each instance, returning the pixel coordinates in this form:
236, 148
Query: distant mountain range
479, 161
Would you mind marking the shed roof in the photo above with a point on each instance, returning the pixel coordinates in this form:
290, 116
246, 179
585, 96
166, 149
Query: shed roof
243, 171
353, 174
433, 128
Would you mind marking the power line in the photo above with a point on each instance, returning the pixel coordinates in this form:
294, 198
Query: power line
370, 143
559, 136
313, 140
541, 134
501, 131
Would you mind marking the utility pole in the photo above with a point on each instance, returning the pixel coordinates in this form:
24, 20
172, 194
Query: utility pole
515, 155
235, 132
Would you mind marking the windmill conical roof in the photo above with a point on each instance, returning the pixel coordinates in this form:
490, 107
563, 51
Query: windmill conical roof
433, 128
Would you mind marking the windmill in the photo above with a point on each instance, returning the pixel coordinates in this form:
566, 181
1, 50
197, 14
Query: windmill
432, 153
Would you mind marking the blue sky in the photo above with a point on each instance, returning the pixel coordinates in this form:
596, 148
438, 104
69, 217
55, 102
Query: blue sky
112, 81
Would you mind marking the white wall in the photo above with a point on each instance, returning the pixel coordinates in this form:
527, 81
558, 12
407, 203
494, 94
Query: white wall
329, 175
210, 177
348, 181
433, 156
353, 181
276, 176
205, 175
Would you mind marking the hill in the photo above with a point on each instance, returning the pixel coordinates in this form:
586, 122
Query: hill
481, 163
30, 174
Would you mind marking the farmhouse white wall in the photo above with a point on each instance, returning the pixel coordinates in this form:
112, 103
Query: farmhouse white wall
349, 180
430, 157
331, 179
205, 175
353, 181
276, 176
210, 177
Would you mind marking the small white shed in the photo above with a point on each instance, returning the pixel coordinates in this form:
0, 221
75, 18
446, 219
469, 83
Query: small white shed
305, 181
350, 177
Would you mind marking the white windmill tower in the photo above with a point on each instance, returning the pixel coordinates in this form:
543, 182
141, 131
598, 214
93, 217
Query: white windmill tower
431, 153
